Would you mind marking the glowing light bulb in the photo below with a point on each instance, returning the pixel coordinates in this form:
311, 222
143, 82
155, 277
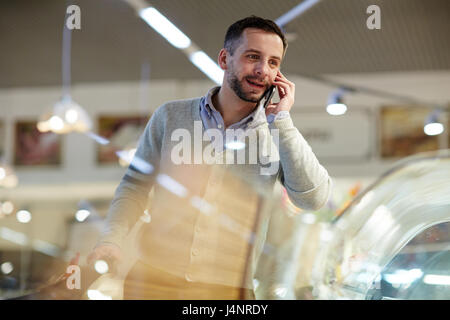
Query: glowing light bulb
23, 216
433, 129
56, 123
43, 126
81, 215
101, 266
71, 116
7, 267
336, 109
7, 207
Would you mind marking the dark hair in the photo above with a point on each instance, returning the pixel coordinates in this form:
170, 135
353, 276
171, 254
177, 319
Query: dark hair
234, 31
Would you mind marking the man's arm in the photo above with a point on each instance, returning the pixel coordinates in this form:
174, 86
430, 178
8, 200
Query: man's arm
130, 199
306, 181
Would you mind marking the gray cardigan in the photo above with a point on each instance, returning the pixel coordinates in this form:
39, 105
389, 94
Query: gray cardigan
306, 181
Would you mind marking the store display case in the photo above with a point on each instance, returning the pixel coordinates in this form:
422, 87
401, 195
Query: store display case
392, 242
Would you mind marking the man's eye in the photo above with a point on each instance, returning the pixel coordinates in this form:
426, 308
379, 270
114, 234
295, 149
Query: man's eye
274, 62
253, 56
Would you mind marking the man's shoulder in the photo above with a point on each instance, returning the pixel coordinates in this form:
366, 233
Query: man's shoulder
178, 107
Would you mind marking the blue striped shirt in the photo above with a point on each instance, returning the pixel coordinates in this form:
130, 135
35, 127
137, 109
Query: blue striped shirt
212, 119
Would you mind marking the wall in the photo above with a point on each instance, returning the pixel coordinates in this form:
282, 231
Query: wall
122, 98
80, 177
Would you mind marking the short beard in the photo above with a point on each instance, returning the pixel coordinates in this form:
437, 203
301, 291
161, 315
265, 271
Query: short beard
236, 86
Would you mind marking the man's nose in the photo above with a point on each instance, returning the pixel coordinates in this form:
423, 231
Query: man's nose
262, 69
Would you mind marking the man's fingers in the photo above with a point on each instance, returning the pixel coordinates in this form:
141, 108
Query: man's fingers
280, 90
282, 78
282, 86
271, 108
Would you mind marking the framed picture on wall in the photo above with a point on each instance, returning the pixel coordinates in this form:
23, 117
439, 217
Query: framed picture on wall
401, 131
122, 132
35, 148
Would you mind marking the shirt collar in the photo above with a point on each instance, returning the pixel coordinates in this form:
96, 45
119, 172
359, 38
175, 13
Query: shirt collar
209, 106
254, 119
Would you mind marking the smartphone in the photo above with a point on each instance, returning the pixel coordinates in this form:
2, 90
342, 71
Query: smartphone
268, 95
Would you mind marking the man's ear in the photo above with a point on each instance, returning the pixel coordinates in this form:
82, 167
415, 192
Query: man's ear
223, 59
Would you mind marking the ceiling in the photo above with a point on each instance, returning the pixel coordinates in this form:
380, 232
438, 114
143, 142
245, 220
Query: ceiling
113, 42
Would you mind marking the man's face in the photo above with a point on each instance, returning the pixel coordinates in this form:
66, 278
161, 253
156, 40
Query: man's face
254, 64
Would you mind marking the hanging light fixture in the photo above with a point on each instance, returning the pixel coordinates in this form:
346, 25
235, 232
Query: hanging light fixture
433, 126
66, 115
336, 106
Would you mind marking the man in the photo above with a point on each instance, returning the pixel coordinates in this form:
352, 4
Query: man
251, 58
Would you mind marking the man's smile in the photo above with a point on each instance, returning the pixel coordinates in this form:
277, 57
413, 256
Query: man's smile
256, 84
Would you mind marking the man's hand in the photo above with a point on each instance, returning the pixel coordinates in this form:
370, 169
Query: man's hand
286, 91
105, 251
